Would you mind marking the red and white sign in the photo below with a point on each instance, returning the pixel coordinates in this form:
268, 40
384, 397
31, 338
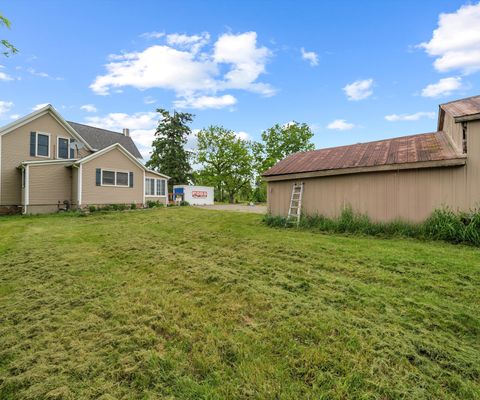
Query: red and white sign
199, 194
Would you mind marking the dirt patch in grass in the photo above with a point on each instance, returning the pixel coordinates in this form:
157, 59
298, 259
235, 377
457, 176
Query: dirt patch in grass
187, 303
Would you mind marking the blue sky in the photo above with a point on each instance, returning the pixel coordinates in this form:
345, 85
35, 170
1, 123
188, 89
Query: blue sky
354, 70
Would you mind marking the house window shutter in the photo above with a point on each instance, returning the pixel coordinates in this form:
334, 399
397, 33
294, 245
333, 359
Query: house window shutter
131, 179
98, 176
33, 143
72, 153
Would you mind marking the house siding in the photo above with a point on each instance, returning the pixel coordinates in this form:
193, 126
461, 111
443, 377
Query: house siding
16, 148
75, 187
48, 187
97, 195
403, 194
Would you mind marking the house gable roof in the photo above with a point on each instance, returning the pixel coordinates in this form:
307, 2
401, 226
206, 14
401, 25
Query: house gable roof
101, 138
157, 173
124, 151
106, 150
423, 149
48, 109
93, 138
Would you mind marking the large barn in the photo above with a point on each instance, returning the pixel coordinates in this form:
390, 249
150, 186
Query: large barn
401, 178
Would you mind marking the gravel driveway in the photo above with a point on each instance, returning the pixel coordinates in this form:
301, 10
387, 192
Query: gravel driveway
237, 207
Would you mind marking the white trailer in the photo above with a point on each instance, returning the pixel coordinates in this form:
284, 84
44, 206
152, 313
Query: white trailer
195, 195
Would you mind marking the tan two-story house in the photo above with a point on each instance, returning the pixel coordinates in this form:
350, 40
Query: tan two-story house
48, 164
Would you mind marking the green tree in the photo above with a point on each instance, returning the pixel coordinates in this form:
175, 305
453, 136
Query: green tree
8, 48
226, 159
169, 155
260, 186
280, 141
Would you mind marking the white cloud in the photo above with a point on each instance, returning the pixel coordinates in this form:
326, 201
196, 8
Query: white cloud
444, 87
456, 41
232, 62
247, 62
39, 106
5, 106
5, 77
203, 102
142, 127
88, 108
409, 117
149, 100
243, 135
359, 90
34, 72
314, 127
289, 124
157, 66
340, 125
143, 139
192, 43
192, 141
118, 121
15, 116
310, 56
152, 35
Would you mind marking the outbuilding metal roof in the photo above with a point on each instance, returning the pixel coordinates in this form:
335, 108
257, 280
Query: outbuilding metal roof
463, 107
101, 138
424, 147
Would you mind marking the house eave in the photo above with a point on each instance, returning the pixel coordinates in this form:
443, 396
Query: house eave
378, 168
158, 173
47, 162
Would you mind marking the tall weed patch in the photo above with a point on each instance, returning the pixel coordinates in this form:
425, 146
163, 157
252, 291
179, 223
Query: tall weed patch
444, 224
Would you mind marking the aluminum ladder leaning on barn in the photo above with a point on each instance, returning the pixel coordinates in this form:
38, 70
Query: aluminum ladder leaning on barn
295, 209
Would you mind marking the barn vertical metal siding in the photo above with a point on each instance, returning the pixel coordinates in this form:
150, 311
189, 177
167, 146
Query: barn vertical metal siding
387, 195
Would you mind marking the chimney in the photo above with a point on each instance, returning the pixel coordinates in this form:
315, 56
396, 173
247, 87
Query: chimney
126, 132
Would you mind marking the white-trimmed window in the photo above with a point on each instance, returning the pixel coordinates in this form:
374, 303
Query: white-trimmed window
43, 145
155, 187
160, 190
149, 187
63, 148
115, 178
122, 178
40, 144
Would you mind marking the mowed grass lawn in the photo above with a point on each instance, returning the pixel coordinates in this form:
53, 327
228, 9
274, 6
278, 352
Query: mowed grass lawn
184, 303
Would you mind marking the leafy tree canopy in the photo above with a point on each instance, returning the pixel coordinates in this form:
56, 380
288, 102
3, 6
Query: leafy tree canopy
226, 159
279, 141
169, 155
8, 48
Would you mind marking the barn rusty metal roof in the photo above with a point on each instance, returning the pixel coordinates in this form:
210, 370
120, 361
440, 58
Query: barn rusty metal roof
435, 146
463, 107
